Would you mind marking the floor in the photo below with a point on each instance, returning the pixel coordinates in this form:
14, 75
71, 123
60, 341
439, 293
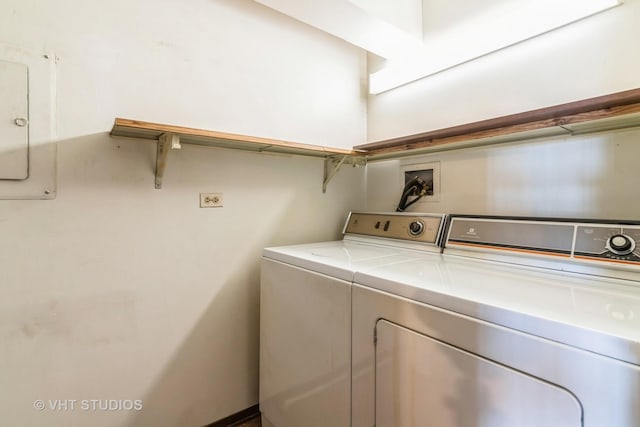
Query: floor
254, 422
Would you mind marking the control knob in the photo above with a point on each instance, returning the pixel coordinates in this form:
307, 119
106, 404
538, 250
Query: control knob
416, 228
621, 244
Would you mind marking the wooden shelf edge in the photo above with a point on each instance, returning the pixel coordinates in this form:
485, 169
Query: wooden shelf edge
152, 131
603, 107
615, 111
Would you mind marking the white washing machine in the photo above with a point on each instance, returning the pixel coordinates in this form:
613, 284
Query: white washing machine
305, 314
521, 323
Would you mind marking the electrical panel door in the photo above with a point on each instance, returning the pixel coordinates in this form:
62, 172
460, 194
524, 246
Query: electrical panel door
14, 121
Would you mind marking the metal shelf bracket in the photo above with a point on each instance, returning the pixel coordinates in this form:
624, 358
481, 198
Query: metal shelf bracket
332, 165
166, 142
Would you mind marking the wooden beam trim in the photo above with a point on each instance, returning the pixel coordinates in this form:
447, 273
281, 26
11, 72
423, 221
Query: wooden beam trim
508, 130
605, 106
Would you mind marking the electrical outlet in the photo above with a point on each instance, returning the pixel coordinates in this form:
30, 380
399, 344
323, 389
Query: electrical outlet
211, 200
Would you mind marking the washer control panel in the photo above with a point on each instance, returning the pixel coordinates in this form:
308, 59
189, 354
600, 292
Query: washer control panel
416, 228
424, 228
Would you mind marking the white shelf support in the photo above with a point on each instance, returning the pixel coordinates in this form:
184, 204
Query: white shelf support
166, 142
332, 165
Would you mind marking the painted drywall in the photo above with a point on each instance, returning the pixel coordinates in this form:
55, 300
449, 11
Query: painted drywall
592, 57
439, 16
404, 14
588, 176
116, 291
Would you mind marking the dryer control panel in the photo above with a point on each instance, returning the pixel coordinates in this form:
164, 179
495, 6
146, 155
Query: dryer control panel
424, 228
591, 244
610, 243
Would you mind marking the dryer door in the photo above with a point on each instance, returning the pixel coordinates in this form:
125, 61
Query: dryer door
421, 381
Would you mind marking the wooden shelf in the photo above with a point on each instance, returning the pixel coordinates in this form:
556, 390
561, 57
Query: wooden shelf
605, 113
153, 131
610, 112
172, 137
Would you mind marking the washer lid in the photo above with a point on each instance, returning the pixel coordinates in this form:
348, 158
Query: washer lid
595, 314
340, 259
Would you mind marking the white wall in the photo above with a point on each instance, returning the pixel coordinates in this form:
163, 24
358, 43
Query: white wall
116, 290
404, 14
589, 176
592, 57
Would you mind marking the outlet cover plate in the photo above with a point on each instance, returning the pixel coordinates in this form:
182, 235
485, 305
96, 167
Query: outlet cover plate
211, 200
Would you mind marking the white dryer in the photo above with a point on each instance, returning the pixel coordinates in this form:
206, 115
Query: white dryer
521, 323
305, 314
